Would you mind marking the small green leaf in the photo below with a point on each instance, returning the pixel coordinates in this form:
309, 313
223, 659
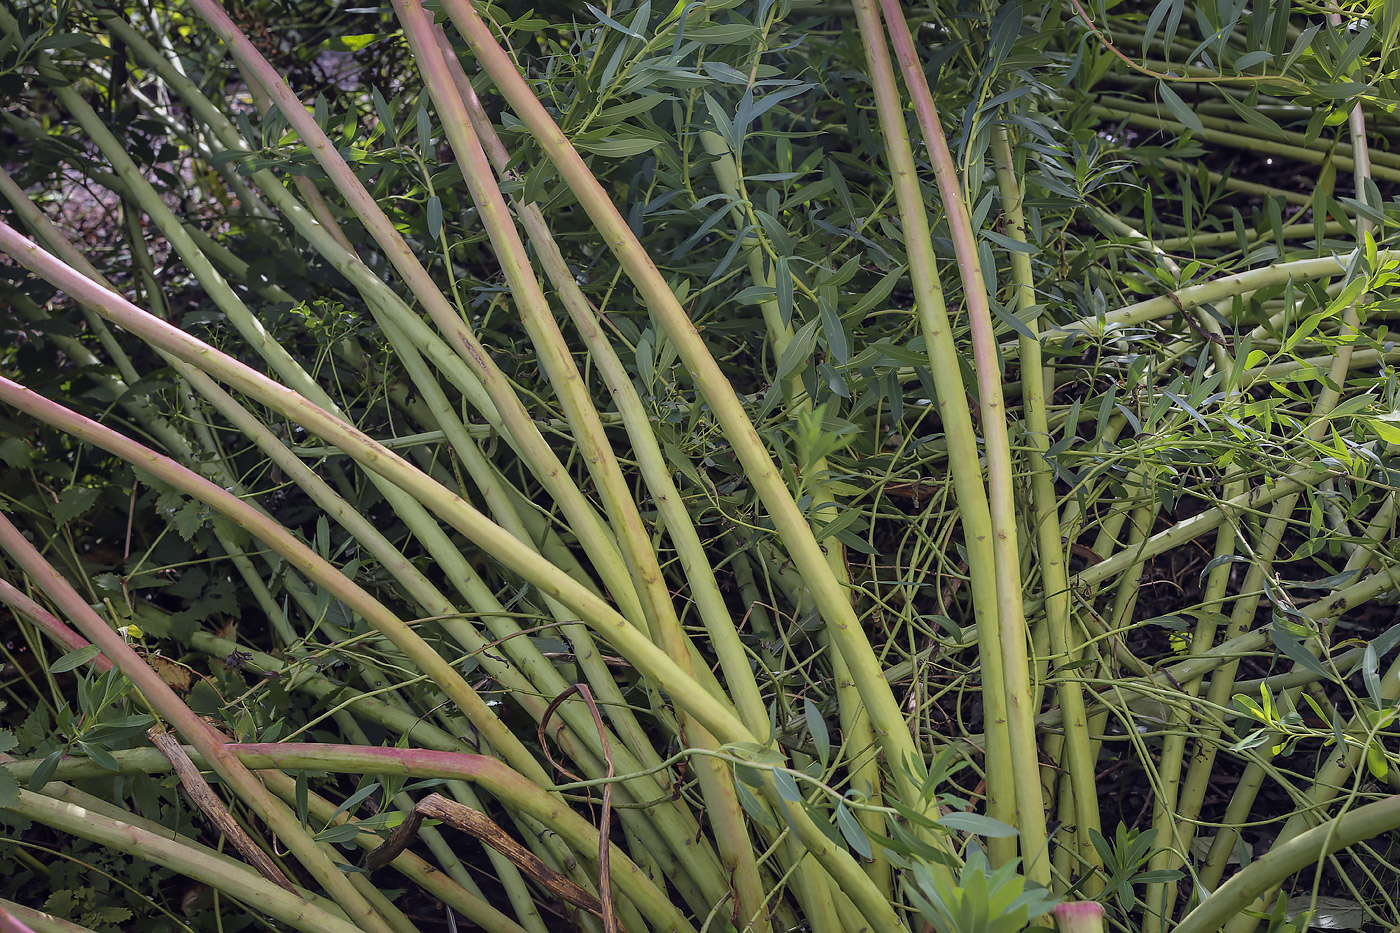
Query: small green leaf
787, 787
752, 806
854, 833
435, 217
977, 825
351, 43
44, 773
1376, 761
73, 502
816, 725
1177, 106
73, 659
620, 146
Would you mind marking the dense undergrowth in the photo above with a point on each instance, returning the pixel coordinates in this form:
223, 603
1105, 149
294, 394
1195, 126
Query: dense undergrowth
734, 466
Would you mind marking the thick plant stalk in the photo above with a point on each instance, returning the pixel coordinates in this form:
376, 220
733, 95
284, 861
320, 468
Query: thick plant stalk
864, 768
661, 619
30, 920
1193, 296
164, 700
189, 858
1330, 776
1054, 570
1175, 812
512, 789
1281, 861
974, 512
1005, 667
649, 659
457, 512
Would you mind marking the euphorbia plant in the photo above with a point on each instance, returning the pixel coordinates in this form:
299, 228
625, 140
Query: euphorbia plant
620, 421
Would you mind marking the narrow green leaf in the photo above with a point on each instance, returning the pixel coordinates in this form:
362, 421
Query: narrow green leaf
435, 217
73, 659
1184, 114
816, 725
977, 824
853, 832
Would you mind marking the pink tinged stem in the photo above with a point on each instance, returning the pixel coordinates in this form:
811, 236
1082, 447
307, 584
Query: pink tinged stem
1079, 917
9, 923
51, 625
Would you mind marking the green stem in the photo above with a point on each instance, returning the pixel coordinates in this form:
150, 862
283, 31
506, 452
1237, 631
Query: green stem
1053, 566
1012, 629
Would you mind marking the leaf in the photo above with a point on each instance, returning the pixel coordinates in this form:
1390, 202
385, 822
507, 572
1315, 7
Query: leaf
351, 43
816, 725
9, 788
343, 833
189, 518
853, 832
787, 787
619, 147
1250, 59
977, 824
1294, 650
613, 24
836, 339
798, 351
44, 772
1370, 676
73, 659
753, 807
721, 33
1184, 114
1376, 761
73, 502
435, 217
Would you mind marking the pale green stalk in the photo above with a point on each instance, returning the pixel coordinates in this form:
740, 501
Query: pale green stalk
1193, 296
1229, 238
1011, 629
527, 912
791, 525
1328, 394
1383, 172
188, 858
724, 811
513, 790
1054, 571
660, 616
1283, 860
863, 767
1189, 529
38, 921
407, 575
1175, 813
